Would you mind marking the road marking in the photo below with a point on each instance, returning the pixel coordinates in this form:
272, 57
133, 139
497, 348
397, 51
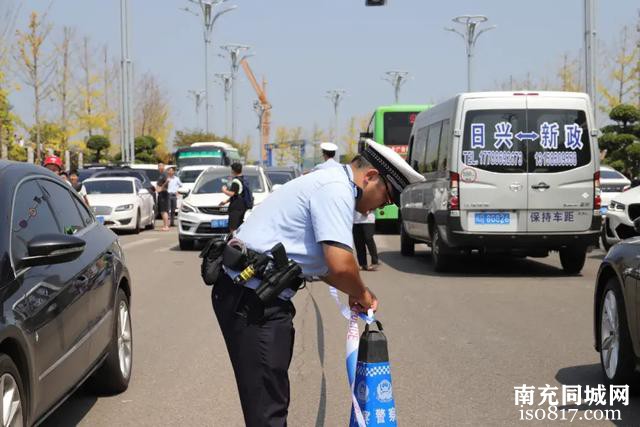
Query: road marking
137, 243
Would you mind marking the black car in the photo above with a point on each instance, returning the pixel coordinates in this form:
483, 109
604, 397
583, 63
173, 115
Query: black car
617, 311
65, 294
280, 176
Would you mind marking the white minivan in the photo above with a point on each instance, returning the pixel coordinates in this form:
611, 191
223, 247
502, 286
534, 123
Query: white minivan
506, 172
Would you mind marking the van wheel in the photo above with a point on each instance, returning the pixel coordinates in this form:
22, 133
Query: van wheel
441, 261
572, 259
407, 244
616, 352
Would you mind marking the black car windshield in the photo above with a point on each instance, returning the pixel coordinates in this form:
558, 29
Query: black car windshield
128, 173
280, 177
109, 187
189, 176
212, 182
152, 174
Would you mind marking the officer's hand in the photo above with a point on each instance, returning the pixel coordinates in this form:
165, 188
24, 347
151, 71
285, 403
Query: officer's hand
365, 302
224, 188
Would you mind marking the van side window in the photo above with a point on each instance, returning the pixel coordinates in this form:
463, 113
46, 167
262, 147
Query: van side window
419, 147
433, 143
444, 146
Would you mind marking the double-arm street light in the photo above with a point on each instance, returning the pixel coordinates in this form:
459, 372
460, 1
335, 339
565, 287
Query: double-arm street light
397, 80
209, 17
470, 34
235, 55
335, 96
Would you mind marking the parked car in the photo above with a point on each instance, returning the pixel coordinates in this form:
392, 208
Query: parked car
126, 171
121, 203
616, 306
505, 172
282, 175
66, 295
200, 217
623, 210
188, 176
612, 183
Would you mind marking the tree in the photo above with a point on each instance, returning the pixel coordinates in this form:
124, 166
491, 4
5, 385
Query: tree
621, 74
35, 66
98, 143
50, 134
152, 109
62, 89
185, 138
145, 149
89, 115
569, 73
621, 140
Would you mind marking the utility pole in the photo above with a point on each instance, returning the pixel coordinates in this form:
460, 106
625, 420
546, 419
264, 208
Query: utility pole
209, 18
470, 36
397, 80
197, 98
335, 96
126, 96
260, 110
225, 80
590, 53
235, 54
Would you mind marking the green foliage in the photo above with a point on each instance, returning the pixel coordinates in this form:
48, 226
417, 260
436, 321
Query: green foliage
145, 149
98, 143
185, 138
621, 140
17, 153
625, 114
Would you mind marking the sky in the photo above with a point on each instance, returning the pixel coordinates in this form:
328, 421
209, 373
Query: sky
304, 48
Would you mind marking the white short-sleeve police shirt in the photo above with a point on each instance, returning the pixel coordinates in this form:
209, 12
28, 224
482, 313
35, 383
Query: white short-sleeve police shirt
306, 211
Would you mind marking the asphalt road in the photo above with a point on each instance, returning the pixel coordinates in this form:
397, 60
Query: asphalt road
458, 343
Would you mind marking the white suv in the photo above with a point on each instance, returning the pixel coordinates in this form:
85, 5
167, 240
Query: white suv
201, 217
612, 184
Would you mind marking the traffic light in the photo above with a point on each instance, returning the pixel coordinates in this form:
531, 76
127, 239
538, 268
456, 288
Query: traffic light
375, 2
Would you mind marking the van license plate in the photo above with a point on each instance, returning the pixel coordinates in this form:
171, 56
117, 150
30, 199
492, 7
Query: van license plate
219, 223
491, 218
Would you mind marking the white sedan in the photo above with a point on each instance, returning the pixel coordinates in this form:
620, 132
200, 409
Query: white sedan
201, 217
120, 203
622, 212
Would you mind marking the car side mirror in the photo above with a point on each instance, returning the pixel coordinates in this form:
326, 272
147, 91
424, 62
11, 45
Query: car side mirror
52, 249
275, 187
184, 191
143, 191
636, 225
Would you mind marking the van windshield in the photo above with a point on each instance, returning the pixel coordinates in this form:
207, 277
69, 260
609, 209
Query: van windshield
534, 140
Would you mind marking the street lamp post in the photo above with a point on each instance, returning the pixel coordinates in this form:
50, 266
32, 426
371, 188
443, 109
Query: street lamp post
209, 18
126, 72
260, 110
589, 52
335, 96
235, 54
397, 80
225, 80
470, 36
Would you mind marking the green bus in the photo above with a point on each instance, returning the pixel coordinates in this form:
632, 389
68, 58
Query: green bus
391, 125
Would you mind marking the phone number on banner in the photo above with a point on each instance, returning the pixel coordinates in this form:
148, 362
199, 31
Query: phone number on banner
556, 158
493, 158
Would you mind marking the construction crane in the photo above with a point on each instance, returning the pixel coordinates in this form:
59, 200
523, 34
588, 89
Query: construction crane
264, 110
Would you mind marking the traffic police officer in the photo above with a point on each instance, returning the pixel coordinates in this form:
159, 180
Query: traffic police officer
329, 150
312, 216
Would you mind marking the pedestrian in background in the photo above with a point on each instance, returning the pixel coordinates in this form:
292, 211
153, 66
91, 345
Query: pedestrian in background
329, 150
172, 189
163, 196
364, 227
77, 185
237, 205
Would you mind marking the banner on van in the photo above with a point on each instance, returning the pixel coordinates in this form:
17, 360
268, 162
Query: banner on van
526, 140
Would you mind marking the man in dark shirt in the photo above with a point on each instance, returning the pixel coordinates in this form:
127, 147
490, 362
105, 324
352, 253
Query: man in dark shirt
163, 196
237, 206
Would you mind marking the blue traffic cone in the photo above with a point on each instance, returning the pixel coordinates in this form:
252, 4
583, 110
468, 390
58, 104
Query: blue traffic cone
372, 387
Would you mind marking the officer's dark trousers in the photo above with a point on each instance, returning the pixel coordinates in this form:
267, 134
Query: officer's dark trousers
363, 236
260, 353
